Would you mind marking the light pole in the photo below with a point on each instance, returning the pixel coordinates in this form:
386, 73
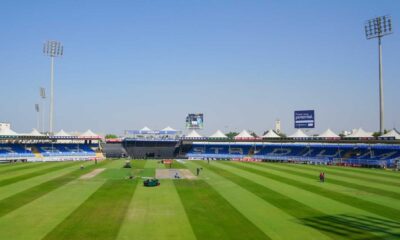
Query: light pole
52, 49
37, 115
377, 28
43, 96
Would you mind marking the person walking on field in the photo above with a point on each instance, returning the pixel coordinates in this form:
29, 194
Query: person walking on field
321, 176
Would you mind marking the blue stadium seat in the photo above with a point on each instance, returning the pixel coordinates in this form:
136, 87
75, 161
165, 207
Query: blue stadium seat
14, 151
354, 154
54, 150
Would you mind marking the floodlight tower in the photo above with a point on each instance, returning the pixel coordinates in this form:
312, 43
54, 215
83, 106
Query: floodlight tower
52, 49
37, 109
43, 96
378, 28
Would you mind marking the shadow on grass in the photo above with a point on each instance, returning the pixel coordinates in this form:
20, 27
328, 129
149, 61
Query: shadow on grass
355, 226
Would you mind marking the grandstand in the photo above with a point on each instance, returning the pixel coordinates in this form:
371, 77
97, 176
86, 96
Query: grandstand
113, 148
169, 143
146, 143
354, 154
358, 149
143, 149
38, 147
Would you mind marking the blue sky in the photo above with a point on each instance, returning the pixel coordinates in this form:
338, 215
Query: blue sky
128, 64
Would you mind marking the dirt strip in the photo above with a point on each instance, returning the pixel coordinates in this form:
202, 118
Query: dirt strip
171, 173
92, 173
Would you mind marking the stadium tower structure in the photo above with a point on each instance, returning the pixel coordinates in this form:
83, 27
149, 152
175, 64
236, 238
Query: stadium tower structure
378, 28
52, 49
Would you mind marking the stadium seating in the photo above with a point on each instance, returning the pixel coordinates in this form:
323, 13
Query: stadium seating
351, 154
48, 150
14, 151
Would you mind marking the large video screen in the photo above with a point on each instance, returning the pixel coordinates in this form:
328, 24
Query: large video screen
304, 119
195, 121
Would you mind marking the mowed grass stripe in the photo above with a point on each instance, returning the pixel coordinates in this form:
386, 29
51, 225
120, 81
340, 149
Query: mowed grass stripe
289, 205
292, 170
357, 178
374, 172
16, 201
344, 173
158, 206
138, 164
6, 175
59, 166
156, 213
11, 189
150, 168
331, 209
357, 193
20, 166
100, 216
37, 218
274, 222
211, 216
177, 165
371, 207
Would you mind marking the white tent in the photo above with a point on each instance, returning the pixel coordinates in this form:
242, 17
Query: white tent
62, 133
298, 134
89, 134
35, 133
8, 132
359, 133
329, 134
194, 134
218, 134
244, 135
168, 129
75, 133
145, 129
271, 134
391, 134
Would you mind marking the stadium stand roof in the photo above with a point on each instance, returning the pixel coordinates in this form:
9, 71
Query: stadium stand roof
244, 135
194, 134
8, 132
391, 134
35, 133
298, 134
359, 133
89, 134
145, 129
62, 133
328, 134
271, 134
168, 129
218, 134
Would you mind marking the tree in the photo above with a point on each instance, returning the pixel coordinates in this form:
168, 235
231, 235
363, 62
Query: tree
232, 134
377, 134
111, 136
265, 132
253, 134
282, 135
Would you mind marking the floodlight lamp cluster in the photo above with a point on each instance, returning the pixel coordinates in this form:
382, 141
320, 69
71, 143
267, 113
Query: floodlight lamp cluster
43, 93
53, 48
378, 27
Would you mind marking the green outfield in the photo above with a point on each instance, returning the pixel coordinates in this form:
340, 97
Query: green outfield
229, 200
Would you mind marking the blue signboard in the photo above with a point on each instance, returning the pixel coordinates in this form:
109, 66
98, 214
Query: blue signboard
304, 119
